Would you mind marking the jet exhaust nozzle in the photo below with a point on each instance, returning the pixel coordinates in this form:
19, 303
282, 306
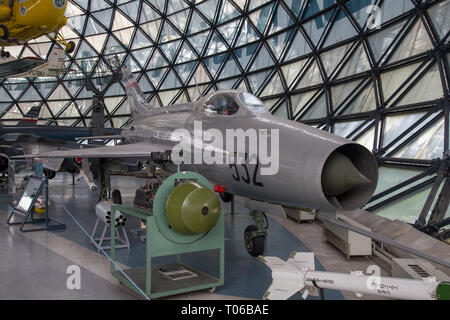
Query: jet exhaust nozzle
350, 176
340, 175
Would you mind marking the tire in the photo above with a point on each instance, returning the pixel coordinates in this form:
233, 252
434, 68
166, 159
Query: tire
70, 47
116, 197
3, 164
254, 246
226, 197
49, 174
5, 32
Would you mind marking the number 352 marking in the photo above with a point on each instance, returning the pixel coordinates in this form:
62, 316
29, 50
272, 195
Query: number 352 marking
246, 176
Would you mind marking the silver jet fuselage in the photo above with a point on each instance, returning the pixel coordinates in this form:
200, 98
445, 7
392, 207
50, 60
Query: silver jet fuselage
308, 175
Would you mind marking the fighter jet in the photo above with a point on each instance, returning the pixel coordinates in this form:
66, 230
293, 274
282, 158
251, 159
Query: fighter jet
306, 168
27, 134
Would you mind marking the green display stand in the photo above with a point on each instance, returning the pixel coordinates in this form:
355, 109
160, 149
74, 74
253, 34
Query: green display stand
161, 240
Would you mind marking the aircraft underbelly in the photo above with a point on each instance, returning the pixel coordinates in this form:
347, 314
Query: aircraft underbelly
19, 66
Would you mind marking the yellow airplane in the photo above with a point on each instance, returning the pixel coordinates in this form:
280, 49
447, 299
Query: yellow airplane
24, 20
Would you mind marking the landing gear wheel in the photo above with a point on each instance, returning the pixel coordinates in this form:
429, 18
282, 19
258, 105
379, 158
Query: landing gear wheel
70, 47
4, 32
5, 54
50, 174
255, 245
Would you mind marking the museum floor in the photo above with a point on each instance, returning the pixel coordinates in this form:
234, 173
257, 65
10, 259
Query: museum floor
34, 265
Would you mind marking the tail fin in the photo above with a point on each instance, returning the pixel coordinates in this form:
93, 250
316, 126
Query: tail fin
31, 117
57, 59
138, 104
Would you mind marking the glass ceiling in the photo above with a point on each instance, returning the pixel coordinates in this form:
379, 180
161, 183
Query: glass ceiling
322, 63
375, 71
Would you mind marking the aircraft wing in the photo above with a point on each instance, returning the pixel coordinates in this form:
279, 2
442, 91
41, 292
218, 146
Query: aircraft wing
134, 150
19, 66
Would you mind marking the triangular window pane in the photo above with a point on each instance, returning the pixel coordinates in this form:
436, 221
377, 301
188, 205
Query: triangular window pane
342, 30
317, 111
281, 20
180, 19
299, 47
248, 34
120, 22
171, 81
417, 41
358, 63
429, 145
262, 60
311, 77
148, 14
261, 17
299, 101
229, 30
275, 86
151, 28
228, 12
292, 70
256, 80
198, 41
186, 54
282, 111
197, 24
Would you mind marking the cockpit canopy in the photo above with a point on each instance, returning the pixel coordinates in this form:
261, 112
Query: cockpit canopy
222, 103
252, 103
227, 103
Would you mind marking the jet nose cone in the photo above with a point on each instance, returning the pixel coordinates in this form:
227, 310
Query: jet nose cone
340, 176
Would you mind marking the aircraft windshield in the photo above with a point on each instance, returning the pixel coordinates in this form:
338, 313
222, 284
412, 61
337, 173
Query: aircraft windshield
221, 104
252, 102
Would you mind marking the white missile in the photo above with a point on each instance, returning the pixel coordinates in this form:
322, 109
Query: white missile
103, 212
87, 175
298, 273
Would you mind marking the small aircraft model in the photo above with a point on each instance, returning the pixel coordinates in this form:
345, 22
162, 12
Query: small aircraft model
316, 169
33, 67
24, 20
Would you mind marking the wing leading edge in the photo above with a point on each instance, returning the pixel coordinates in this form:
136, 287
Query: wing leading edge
137, 150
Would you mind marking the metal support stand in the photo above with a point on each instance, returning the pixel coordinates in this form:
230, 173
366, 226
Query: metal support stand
140, 231
161, 240
232, 205
12, 179
38, 184
123, 242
